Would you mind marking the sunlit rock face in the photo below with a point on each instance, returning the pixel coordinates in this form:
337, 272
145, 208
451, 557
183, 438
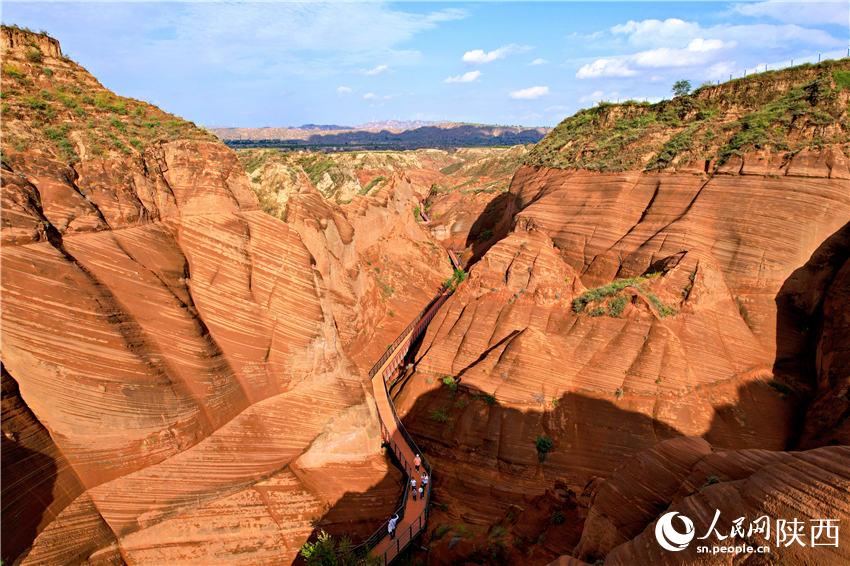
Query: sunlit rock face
179, 380
727, 329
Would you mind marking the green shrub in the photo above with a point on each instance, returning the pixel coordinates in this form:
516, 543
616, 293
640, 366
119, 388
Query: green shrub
544, 445
35, 103
314, 166
487, 398
330, 551
12, 71
449, 169
663, 310
387, 290
458, 277
371, 184
118, 124
842, 79
56, 133
440, 415
616, 306
619, 393
599, 293
450, 382
34, 55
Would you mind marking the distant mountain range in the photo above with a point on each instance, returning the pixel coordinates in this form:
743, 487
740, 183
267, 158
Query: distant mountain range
382, 135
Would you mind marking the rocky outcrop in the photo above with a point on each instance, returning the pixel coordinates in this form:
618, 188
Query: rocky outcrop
16, 38
628, 308
698, 482
175, 386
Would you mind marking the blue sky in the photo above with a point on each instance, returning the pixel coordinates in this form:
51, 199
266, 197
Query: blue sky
276, 64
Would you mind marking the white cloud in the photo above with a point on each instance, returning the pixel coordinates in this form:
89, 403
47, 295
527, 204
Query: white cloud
674, 44
699, 44
469, 77
343, 89
699, 51
373, 96
377, 70
657, 32
605, 68
480, 56
598, 95
539, 61
530, 93
721, 70
674, 32
803, 13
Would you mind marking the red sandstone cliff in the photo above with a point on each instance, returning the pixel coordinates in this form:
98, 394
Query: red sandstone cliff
180, 375
629, 307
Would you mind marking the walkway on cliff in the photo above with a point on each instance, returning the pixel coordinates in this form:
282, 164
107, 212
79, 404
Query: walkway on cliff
413, 515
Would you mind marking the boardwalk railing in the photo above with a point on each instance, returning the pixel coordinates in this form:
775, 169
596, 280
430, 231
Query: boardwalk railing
387, 366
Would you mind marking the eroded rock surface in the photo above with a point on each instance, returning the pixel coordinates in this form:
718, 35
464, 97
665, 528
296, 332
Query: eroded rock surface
179, 379
629, 308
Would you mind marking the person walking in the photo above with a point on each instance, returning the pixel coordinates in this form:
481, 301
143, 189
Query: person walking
417, 461
391, 525
413, 487
422, 492
424, 480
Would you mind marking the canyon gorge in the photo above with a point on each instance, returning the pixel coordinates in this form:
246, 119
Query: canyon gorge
654, 318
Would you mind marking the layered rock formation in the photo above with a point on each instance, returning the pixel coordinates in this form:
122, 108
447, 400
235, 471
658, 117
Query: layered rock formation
629, 307
179, 376
685, 475
463, 192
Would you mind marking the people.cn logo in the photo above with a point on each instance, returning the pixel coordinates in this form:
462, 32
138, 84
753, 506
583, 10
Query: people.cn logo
671, 539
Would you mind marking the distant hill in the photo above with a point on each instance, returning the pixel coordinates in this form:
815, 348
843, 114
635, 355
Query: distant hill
783, 111
382, 135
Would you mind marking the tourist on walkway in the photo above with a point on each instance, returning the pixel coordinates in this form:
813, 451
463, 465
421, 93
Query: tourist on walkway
422, 491
417, 462
391, 525
413, 487
424, 480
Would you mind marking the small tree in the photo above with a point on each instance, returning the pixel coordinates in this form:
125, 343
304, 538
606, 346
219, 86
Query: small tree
458, 277
544, 446
681, 87
328, 551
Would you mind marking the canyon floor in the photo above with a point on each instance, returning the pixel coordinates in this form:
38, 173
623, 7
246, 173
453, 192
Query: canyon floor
652, 318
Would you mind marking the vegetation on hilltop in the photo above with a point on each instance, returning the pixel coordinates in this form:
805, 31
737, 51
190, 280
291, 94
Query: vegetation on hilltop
342, 176
786, 110
54, 105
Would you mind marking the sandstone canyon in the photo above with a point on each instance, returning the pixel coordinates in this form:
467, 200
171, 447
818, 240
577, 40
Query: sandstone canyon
655, 319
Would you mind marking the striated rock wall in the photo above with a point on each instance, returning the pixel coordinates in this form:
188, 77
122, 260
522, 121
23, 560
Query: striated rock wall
175, 387
696, 481
715, 342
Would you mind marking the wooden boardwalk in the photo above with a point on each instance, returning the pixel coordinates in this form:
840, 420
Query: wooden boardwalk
413, 514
